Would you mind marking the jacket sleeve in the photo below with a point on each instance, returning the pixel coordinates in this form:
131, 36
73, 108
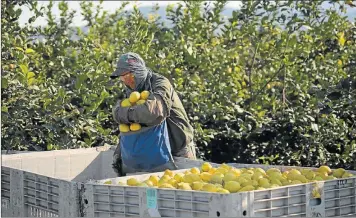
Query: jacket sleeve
156, 108
120, 114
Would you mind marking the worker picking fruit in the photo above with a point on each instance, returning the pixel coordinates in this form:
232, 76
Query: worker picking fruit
154, 128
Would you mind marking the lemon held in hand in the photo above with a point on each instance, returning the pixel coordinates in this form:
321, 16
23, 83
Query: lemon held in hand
134, 97
144, 95
135, 127
124, 128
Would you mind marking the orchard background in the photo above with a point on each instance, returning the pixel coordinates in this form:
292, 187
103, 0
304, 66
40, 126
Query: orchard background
274, 84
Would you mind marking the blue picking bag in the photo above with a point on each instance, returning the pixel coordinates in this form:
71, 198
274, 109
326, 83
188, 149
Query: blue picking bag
147, 148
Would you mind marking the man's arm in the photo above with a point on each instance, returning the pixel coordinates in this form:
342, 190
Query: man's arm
156, 108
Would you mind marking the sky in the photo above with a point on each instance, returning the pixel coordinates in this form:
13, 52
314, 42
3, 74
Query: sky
111, 6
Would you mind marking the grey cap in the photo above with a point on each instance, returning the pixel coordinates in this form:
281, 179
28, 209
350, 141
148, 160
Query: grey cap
128, 62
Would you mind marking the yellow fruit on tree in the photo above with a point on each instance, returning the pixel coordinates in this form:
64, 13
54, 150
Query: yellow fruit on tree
134, 97
126, 103
232, 186
205, 167
144, 95
124, 128
135, 127
132, 182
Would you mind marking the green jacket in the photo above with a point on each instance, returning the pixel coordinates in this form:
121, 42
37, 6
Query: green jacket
163, 103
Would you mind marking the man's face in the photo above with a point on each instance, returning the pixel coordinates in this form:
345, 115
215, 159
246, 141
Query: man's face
128, 79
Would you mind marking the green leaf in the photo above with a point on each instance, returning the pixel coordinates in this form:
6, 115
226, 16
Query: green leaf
4, 109
30, 75
315, 127
24, 69
4, 83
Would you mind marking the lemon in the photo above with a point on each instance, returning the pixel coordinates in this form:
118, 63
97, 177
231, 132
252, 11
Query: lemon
247, 188
144, 95
318, 178
222, 170
168, 172
149, 183
142, 184
338, 172
294, 171
179, 177
310, 175
347, 175
184, 186
173, 182
263, 182
295, 182
222, 191
108, 182
166, 185
154, 179
235, 171
260, 170
272, 170
217, 178
276, 182
257, 176
134, 97
198, 185
209, 188
139, 102
324, 169
232, 186
190, 178
135, 127
205, 167
260, 188
229, 177
132, 182
124, 128
225, 166
126, 103
195, 170
205, 176
212, 171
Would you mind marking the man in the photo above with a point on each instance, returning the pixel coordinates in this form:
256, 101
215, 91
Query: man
136, 76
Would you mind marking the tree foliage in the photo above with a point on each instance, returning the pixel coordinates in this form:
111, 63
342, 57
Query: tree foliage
275, 83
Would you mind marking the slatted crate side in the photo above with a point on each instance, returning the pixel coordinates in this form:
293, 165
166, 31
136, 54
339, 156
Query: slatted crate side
283, 201
109, 200
340, 197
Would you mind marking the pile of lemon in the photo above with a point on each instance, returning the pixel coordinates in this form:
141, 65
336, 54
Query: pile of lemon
135, 98
227, 179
